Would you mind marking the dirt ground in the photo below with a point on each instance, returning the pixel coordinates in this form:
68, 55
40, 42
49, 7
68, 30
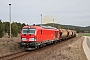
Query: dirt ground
72, 51
9, 46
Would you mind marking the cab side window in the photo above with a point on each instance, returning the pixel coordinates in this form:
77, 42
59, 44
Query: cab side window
41, 32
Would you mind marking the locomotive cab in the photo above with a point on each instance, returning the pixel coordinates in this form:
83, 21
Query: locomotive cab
28, 37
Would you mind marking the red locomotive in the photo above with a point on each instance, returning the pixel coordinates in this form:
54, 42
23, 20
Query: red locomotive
39, 36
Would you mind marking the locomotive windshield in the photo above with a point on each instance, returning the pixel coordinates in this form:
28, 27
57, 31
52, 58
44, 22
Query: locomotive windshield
28, 31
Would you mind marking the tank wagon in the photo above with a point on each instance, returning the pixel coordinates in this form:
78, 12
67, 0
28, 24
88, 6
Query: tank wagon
66, 34
33, 37
71, 33
63, 34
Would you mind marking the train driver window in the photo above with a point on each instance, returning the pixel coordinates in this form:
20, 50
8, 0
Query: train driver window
41, 32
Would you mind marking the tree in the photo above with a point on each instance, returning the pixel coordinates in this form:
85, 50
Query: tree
77, 29
23, 24
1, 29
6, 26
14, 28
19, 27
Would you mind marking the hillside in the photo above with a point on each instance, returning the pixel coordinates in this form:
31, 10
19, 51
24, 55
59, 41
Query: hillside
77, 28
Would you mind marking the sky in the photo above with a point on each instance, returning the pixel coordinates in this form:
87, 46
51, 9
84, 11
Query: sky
66, 12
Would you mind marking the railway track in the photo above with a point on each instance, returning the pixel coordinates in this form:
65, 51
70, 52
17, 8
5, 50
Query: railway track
26, 55
10, 56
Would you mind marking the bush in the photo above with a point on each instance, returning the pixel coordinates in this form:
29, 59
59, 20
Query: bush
1, 29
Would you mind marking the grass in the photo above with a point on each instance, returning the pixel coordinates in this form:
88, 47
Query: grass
84, 34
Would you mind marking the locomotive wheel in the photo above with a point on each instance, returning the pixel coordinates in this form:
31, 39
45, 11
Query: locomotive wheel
55, 42
37, 47
41, 46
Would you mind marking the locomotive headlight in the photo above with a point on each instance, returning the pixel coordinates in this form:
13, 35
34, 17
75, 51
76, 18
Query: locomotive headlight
32, 39
23, 39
